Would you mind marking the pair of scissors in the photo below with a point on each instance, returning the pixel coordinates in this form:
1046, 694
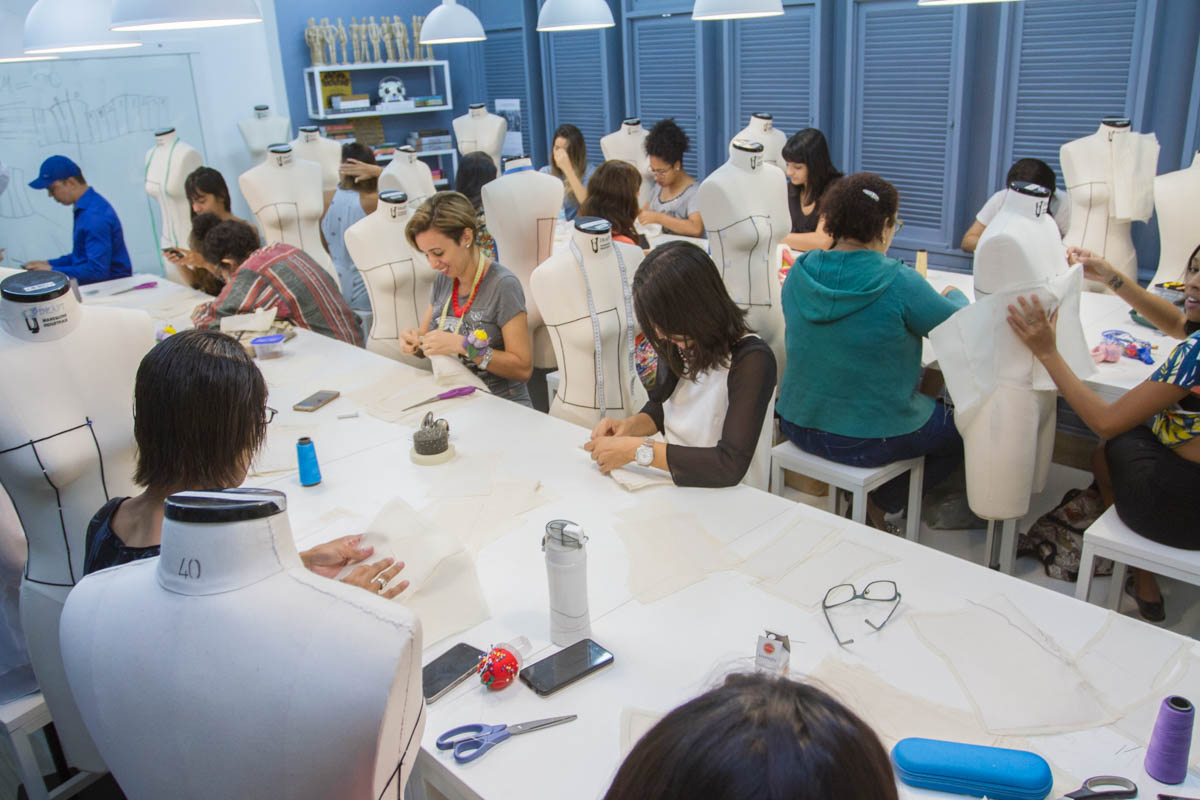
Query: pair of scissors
1106, 786
480, 738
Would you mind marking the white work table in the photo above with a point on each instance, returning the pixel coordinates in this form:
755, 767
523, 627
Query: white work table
666, 651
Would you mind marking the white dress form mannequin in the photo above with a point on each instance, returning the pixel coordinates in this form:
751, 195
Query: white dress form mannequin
309, 145
399, 281
1176, 198
66, 447
583, 292
263, 129
745, 211
628, 144
168, 164
316, 694
479, 130
521, 208
1109, 177
409, 174
284, 192
761, 129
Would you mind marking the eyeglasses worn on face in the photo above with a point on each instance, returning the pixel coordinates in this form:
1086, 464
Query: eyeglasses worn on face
658, 173
899, 225
270, 414
843, 593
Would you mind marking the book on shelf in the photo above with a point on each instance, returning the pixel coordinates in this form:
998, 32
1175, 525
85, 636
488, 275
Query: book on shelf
351, 102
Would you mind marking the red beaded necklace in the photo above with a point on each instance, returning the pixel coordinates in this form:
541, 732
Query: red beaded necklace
462, 312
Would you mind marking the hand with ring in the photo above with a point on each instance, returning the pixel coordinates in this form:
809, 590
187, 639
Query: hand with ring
376, 576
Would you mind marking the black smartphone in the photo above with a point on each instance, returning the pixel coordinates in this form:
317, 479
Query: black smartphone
565, 667
316, 400
449, 670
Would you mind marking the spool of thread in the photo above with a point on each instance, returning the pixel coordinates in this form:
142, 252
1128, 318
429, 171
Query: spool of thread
306, 457
1171, 742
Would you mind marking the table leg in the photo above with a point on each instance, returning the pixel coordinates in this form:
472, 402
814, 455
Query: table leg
1117, 587
916, 487
31, 774
859, 513
1086, 566
1008, 546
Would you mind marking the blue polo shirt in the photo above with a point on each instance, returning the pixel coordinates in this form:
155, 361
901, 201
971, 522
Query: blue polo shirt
99, 252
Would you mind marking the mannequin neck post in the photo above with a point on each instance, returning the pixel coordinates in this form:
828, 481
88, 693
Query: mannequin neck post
746, 155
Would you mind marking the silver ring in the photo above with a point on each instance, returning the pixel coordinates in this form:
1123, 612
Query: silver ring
382, 581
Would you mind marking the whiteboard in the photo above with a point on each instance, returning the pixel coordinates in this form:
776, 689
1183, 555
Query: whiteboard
101, 113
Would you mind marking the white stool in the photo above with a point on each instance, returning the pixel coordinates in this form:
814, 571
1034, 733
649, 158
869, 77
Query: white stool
22, 718
1108, 537
856, 480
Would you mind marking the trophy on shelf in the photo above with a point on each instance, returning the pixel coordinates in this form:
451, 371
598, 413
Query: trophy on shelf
315, 39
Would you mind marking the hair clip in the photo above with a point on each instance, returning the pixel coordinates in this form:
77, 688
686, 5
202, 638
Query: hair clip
871, 195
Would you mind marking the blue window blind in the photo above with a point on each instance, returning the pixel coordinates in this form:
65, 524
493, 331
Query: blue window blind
577, 86
773, 69
906, 63
665, 78
1060, 94
504, 68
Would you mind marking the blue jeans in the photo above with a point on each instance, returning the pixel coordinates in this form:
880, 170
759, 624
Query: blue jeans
938, 440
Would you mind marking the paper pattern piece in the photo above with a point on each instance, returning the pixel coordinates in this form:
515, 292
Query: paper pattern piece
635, 722
476, 522
1184, 680
386, 398
834, 561
258, 320
786, 551
1128, 661
633, 477
987, 650
668, 550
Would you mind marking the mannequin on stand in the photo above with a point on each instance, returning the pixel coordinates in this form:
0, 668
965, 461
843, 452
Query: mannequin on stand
309, 145
521, 207
262, 130
168, 164
628, 144
409, 174
762, 129
398, 281
745, 210
1176, 198
587, 308
323, 679
479, 130
1110, 180
64, 450
284, 192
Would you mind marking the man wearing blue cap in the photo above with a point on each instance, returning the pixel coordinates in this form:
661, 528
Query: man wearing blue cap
99, 252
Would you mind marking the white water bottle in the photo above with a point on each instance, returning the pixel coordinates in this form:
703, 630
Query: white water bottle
566, 568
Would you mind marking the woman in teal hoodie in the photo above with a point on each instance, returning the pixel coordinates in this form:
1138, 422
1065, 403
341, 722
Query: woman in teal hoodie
855, 320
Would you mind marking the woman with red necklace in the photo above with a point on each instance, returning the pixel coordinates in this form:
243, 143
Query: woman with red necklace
470, 293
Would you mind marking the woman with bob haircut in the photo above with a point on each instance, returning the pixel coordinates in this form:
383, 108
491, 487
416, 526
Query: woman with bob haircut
613, 195
675, 202
711, 400
810, 173
471, 292
569, 163
182, 445
757, 736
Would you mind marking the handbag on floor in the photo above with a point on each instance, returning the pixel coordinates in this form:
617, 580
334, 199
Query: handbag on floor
1056, 539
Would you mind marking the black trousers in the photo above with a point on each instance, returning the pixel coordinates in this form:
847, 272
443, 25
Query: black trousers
1157, 493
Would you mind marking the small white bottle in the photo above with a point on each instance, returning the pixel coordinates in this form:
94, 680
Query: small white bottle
566, 568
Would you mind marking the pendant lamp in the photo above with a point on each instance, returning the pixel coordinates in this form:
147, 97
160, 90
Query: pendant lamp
450, 23
957, 2
159, 15
72, 26
736, 9
574, 15
11, 49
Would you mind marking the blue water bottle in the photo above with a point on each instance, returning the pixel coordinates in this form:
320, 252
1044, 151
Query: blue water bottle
306, 456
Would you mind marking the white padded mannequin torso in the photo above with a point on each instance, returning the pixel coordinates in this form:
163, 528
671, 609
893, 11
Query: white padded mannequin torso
317, 694
521, 208
263, 129
309, 145
168, 164
479, 130
65, 449
284, 192
1020, 246
628, 144
409, 174
1176, 199
398, 279
761, 129
1103, 204
745, 211
561, 292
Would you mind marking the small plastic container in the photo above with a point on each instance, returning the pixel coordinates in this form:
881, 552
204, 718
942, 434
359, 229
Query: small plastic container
268, 346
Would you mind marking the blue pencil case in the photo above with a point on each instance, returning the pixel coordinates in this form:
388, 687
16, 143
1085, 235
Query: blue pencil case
994, 772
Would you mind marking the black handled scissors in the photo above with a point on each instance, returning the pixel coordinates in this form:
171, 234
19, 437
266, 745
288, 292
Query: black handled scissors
1106, 786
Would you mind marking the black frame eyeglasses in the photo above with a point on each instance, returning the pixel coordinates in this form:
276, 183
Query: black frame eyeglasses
270, 414
875, 591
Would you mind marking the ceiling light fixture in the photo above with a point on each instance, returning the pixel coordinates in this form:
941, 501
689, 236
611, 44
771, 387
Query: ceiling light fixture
450, 23
574, 15
736, 9
69, 26
159, 15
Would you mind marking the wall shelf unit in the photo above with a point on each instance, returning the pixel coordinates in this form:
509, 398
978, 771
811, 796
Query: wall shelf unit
315, 102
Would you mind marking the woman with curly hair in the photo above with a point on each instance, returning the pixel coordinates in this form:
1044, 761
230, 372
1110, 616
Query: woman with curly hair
675, 202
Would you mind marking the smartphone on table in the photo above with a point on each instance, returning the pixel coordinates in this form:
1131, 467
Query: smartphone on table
449, 670
565, 667
316, 400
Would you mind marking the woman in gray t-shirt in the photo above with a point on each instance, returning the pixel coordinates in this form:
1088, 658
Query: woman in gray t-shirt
675, 203
471, 292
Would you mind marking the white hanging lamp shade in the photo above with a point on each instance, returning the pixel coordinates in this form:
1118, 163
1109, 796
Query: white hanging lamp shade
736, 9
957, 2
72, 26
450, 23
574, 15
11, 48
160, 15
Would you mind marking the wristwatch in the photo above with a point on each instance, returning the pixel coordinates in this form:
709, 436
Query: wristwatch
645, 452
487, 358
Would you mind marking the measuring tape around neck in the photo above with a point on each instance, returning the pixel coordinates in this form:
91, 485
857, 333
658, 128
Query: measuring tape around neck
601, 397
470, 302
